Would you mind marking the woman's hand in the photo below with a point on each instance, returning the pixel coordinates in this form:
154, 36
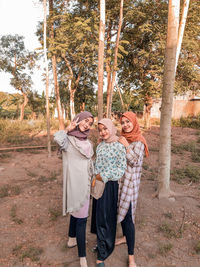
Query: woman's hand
123, 141
98, 177
72, 125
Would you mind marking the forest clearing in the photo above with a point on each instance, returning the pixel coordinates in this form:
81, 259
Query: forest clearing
34, 233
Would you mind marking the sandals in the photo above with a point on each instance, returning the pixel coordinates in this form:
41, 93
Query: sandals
120, 241
71, 242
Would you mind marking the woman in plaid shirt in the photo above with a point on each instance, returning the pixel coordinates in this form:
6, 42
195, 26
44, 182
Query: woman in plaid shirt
136, 147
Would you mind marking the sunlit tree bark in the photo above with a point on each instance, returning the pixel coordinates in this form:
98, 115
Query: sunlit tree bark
101, 59
56, 84
182, 28
109, 103
167, 100
47, 79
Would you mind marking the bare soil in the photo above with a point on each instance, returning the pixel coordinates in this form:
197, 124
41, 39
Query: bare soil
34, 233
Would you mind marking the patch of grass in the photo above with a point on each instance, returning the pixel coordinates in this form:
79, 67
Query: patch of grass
31, 174
151, 256
51, 177
168, 215
13, 215
4, 191
179, 149
32, 253
16, 250
168, 231
197, 247
190, 122
7, 190
54, 214
4, 156
15, 190
196, 156
165, 248
189, 172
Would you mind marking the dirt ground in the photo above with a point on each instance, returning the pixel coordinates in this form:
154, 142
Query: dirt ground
34, 233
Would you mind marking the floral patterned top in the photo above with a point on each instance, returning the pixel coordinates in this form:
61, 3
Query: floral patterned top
110, 161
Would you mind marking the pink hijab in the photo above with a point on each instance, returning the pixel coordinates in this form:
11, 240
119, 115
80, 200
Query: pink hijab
111, 128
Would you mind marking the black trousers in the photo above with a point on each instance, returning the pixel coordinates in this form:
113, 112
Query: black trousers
106, 220
128, 229
77, 228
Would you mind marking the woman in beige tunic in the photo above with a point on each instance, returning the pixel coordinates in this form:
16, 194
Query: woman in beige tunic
77, 152
136, 147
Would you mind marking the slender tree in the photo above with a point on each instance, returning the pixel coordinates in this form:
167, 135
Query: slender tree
101, 59
182, 28
167, 100
47, 79
53, 59
17, 61
109, 103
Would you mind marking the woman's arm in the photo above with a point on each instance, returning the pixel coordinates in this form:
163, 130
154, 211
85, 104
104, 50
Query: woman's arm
135, 153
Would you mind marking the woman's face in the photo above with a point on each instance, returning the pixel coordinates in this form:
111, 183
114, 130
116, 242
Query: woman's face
127, 126
103, 132
86, 124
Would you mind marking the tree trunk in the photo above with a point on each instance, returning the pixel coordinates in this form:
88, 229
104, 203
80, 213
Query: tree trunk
147, 112
101, 59
56, 85
167, 100
47, 80
109, 108
22, 107
108, 65
121, 99
71, 91
182, 28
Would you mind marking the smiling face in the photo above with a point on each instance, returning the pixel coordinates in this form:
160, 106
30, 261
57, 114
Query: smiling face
86, 124
103, 132
127, 126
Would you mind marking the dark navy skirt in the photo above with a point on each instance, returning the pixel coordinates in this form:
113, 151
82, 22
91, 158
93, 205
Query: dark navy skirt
106, 220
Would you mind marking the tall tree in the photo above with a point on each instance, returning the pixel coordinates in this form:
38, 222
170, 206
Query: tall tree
167, 100
19, 62
47, 79
54, 67
109, 103
182, 28
101, 59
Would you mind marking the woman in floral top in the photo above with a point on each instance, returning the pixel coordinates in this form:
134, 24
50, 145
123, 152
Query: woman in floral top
110, 166
136, 147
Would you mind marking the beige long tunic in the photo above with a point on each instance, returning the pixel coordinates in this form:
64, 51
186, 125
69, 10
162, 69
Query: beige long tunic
77, 173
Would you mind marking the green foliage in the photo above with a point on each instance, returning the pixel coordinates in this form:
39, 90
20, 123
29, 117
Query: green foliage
13, 215
16, 60
32, 253
8, 190
17, 132
190, 122
190, 173
168, 231
165, 248
54, 214
197, 247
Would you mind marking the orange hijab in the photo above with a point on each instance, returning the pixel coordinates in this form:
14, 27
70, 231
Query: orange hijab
135, 134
